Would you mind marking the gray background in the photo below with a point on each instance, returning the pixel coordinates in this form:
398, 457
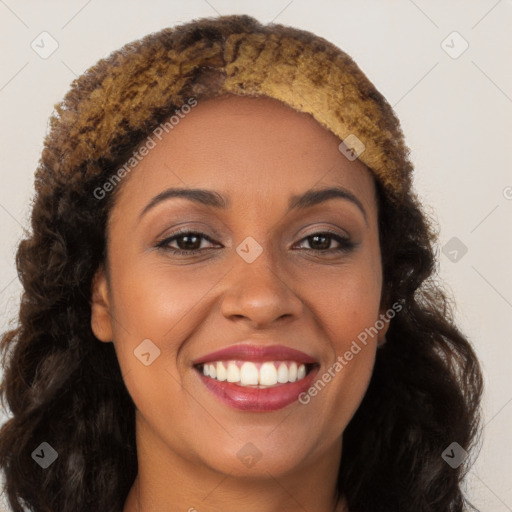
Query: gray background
455, 113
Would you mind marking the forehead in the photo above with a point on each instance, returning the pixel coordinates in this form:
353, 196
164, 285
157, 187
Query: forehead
248, 149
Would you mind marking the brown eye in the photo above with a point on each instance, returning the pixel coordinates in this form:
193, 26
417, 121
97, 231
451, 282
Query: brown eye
187, 242
322, 242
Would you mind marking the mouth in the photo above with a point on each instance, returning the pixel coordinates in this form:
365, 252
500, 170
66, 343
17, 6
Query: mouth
255, 378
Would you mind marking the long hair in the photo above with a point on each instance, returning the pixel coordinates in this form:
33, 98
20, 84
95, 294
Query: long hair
65, 388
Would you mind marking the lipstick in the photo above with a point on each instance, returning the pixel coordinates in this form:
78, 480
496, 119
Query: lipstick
285, 372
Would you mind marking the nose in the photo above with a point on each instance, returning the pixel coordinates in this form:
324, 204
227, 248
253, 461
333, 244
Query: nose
258, 294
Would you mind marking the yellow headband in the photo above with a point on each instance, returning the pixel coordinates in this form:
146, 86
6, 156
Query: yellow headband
236, 55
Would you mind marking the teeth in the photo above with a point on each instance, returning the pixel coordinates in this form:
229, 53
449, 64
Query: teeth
283, 374
247, 373
221, 372
268, 373
293, 372
233, 374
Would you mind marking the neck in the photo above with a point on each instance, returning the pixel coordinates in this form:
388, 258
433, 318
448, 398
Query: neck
166, 478
138, 501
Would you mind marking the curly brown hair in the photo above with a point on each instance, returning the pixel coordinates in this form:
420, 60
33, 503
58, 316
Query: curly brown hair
64, 387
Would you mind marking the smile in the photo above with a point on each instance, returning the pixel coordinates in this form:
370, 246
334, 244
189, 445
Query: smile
256, 378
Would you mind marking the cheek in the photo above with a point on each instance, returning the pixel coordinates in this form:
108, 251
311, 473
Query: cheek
154, 312
348, 300
153, 302
347, 309
353, 308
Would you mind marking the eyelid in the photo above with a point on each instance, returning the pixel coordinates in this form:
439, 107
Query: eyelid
322, 229
189, 226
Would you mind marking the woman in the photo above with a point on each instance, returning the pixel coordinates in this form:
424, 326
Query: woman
229, 296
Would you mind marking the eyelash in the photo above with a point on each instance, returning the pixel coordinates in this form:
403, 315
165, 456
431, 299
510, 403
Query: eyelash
346, 245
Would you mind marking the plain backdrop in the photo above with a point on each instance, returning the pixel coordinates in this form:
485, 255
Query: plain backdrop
454, 104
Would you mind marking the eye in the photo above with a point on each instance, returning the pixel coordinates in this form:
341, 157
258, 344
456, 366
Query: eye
188, 242
322, 241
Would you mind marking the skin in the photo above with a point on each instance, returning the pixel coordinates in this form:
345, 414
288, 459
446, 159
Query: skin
256, 153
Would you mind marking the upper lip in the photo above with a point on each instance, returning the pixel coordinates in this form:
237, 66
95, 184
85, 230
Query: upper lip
253, 352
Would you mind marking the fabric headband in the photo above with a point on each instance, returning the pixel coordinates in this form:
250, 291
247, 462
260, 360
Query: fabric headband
229, 55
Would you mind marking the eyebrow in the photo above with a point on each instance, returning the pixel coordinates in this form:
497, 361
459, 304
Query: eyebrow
213, 199
314, 197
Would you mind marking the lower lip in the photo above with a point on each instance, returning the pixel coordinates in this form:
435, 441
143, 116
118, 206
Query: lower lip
258, 399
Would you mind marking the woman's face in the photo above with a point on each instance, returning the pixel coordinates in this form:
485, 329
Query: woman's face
264, 268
